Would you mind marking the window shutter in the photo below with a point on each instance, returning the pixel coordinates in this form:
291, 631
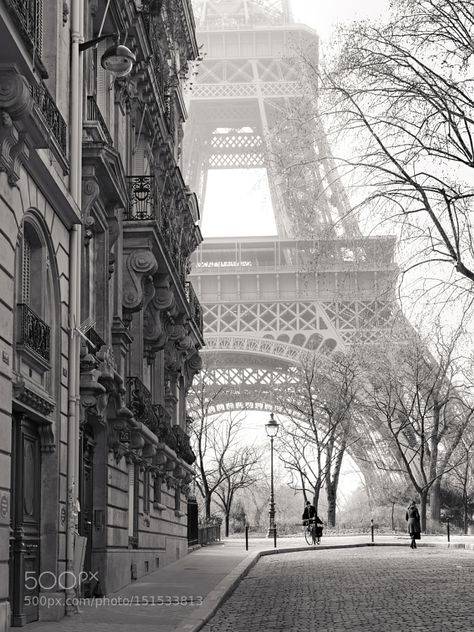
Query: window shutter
101, 82
26, 273
139, 160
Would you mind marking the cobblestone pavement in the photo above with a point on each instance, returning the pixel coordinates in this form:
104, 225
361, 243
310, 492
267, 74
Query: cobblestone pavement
369, 589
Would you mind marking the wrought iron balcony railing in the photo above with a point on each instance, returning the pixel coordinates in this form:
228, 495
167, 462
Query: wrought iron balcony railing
142, 194
93, 113
140, 403
49, 110
28, 15
194, 304
33, 332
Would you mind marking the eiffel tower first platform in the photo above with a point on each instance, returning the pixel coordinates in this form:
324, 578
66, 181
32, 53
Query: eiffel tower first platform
268, 299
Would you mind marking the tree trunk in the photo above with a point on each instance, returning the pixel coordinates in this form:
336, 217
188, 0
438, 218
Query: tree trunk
435, 502
423, 503
227, 520
332, 484
393, 518
465, 506
317, 492
207, 501
331, 495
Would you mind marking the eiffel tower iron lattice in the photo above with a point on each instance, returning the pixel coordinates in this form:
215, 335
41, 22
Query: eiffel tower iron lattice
316, 286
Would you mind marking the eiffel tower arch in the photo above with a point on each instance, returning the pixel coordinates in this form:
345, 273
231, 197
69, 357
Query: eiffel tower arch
268, 300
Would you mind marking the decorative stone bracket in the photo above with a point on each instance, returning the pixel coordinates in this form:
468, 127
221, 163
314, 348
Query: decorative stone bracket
138, 266
16, 104
170, 465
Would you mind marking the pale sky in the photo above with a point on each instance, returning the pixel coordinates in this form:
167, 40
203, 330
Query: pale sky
238, 202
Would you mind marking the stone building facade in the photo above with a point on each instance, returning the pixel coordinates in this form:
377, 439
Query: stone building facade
100, 329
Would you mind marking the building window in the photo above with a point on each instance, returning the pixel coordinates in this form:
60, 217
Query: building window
146, 491
34, 305
133, 479
177, 498
157, 482
33, 258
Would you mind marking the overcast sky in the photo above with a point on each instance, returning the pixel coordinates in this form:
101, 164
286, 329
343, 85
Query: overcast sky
238, 202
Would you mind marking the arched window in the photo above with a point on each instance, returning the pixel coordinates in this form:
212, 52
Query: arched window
35, 303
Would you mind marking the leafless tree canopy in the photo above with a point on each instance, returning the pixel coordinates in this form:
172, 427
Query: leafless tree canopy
403, 91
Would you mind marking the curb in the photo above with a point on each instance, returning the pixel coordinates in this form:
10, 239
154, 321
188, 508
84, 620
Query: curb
198, 619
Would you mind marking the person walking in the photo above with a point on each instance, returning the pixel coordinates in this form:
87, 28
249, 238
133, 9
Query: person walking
414, 526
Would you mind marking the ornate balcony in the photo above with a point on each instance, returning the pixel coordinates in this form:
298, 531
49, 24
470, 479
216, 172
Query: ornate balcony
140, 403
33, 333
142, 193
45, 105
194, 305
28, 14
94, 115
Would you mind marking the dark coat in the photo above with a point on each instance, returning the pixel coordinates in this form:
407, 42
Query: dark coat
309, 513
413, 518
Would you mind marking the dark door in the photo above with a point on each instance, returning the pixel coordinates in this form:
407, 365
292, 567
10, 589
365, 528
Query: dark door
25, 576
86, 502
193, 527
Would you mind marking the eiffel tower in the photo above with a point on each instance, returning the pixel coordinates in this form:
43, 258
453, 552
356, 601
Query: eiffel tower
267, 300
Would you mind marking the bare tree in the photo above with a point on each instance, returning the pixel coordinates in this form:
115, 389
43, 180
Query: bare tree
238, 471
320, 407
462, 475
421, 407
202, 398
402, 92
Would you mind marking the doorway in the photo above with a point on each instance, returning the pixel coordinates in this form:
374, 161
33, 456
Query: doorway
25, 551
86, 503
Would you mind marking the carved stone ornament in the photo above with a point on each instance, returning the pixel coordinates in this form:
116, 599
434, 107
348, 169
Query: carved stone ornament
173, 358
94, 396
16, 102
164, 297
90, 194
31, 398
162, 300
138, 266
15, 95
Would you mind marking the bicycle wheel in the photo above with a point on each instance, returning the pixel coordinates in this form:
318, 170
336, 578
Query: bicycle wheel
309, 534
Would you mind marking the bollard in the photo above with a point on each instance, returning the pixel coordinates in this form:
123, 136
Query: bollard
447, 530
372, 529
246, 537
275, 536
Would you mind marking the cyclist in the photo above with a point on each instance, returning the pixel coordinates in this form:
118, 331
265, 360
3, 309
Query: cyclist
310, 517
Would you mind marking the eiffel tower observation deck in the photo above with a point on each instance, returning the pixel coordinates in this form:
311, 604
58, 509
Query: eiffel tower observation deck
319, 284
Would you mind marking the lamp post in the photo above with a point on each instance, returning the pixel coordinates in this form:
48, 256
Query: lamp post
272, 430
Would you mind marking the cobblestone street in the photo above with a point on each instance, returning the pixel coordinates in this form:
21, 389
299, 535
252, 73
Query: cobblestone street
371, 589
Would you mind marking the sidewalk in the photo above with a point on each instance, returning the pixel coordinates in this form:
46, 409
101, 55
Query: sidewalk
181, 597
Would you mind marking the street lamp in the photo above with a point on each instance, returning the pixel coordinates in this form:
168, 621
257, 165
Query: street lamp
272, 430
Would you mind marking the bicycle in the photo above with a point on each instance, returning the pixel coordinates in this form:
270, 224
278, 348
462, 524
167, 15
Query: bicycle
312, 532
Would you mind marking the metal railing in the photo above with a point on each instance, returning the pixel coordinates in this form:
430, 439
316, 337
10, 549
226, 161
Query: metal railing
94, 114
140, 402
208, 534
49, 110
28, 14
142, 194
194, 304
33, 332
